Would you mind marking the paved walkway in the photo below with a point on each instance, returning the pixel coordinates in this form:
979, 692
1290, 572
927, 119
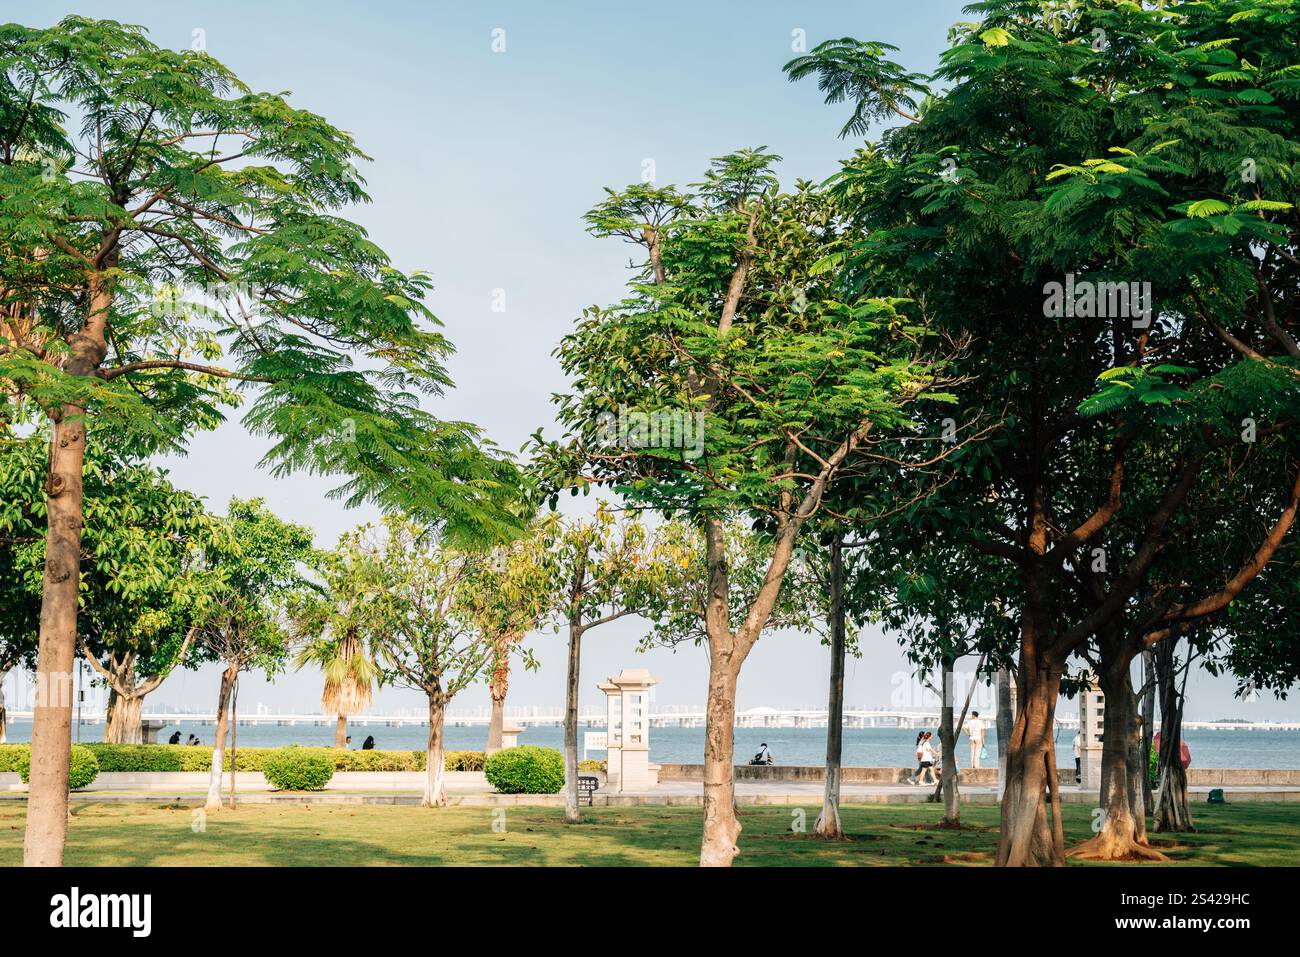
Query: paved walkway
674, 792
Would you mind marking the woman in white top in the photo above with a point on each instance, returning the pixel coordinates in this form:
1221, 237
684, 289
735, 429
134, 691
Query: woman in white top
926, 754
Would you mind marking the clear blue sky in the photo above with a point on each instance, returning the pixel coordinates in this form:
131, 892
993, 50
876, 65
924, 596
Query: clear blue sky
483, 166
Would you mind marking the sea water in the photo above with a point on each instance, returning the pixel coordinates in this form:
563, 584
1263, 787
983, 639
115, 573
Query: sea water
863, 747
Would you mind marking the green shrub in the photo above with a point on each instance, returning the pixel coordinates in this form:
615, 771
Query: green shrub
593, 765
9, 755
294, 769
1153, 765
526, 769
82, 770
146, 758
465, 760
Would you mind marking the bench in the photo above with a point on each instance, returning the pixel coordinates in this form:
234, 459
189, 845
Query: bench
587, 786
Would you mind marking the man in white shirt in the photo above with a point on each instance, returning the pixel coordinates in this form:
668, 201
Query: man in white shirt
975, 734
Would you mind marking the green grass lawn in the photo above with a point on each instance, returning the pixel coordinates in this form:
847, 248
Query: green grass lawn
882, 835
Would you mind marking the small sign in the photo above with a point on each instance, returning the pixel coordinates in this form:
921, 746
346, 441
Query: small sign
594, 741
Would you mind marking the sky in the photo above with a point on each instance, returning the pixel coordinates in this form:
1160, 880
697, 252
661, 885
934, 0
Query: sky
483, 163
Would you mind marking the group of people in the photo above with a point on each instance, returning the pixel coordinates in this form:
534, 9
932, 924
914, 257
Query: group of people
929, 759
176, 739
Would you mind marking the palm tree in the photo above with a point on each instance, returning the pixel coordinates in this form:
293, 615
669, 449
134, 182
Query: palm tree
349, 677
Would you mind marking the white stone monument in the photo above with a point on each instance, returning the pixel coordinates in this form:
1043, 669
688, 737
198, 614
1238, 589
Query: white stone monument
627, 699
1092, 716
510, 733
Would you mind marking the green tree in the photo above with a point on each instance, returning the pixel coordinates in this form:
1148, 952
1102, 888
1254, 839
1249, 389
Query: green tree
404, 590
738, 387
177, 177
602, 569
504, 598
257, 567
142, 587
1054, 158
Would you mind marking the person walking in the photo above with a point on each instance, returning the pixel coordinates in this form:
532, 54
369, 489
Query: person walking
920, 756
927, 760
975, 734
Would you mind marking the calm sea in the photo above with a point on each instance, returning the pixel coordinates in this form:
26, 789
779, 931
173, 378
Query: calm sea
863, 747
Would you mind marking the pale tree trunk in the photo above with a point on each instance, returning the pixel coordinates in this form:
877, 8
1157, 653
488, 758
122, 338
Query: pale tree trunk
341, 731
4, 717
572, 812
948, 743
1122, 834
948, 781
1173, 811
435, 766
122, 726
498, 685
828, 822
727, 652
721, 826
122, 719
47, 799
234, 735
213, 802
718, 844
1025, 838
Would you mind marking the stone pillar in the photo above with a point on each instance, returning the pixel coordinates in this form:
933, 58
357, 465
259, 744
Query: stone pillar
628, 735
613, 733
1092, 715
510, 733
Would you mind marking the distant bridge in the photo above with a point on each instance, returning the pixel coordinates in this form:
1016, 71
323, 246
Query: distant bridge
683, 718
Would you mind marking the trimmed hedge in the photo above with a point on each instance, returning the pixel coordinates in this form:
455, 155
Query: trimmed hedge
526, 769
297, 769
82, 770
591, 764
180, 757
10, 754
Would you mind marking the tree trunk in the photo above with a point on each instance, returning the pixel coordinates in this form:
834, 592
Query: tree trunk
122, 726
1025, 839
122, 717
948, 744
213, 802
828, 822
435, 767
4, 717
1172, 812
572, 812
47, 799
234, 735
341, 731
1148, 726
1123, 822
721, 826
498, 685
1005, 721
